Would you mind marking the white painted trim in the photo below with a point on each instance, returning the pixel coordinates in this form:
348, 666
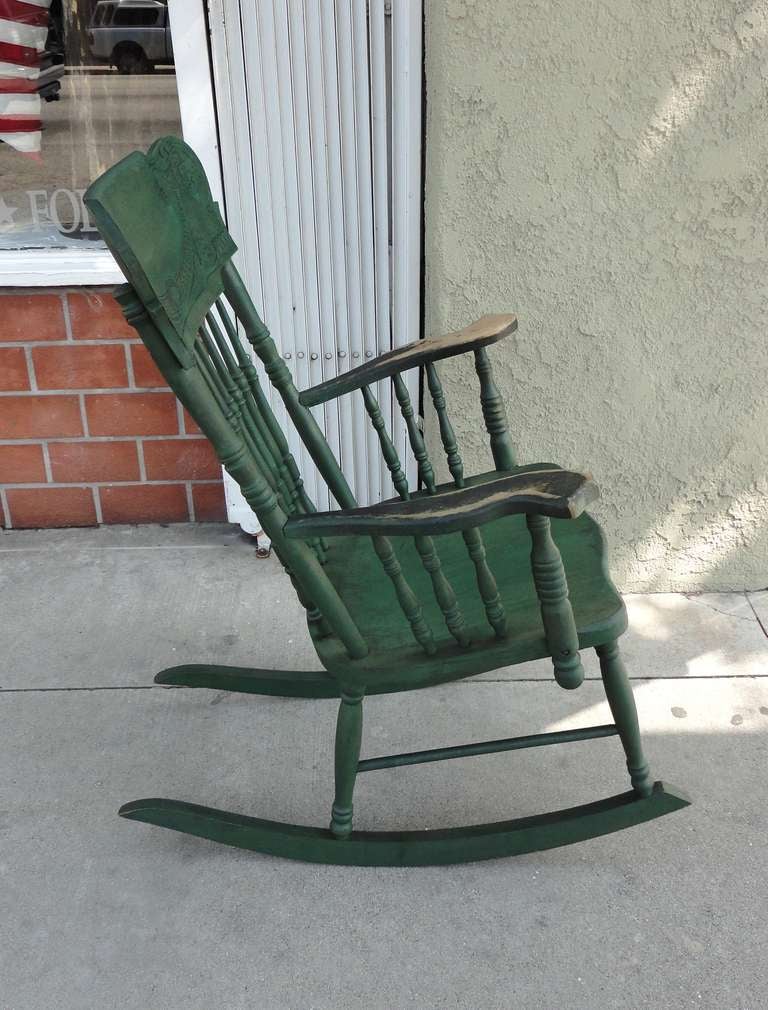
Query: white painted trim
193, 81
238, 509
406, 195
76, 267
380, 159
57, 268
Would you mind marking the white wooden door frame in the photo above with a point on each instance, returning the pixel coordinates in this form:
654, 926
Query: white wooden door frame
199, 123
195, 86
216, 110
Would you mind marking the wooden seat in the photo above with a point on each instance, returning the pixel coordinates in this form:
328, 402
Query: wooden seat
440, 582
395, 661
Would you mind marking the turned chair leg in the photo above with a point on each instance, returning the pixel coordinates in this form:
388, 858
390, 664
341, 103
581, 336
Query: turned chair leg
622, 702
349, 733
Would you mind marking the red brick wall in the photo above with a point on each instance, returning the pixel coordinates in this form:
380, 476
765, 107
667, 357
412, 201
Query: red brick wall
89, 432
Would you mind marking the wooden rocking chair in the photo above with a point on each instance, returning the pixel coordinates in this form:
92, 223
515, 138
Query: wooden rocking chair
389, 608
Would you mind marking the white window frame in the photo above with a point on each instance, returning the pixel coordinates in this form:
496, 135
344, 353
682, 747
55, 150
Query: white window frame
74, 267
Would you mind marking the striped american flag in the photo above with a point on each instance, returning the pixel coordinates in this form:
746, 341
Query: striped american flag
23, 31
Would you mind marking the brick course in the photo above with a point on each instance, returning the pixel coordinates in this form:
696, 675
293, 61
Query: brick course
144, 503
92, 366
22, 464
95, 315
132, 414
146, 374
177, 458
208, 500
13, 369
31, 317
39, 416
51, 506
88, 431
73, 462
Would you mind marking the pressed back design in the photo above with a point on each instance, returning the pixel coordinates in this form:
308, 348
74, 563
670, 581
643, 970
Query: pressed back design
191, 308
156, 213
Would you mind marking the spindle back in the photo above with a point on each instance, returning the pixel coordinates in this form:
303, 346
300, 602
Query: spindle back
158, 217
191, 308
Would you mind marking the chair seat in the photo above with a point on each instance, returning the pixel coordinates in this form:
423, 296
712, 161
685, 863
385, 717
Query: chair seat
396, 661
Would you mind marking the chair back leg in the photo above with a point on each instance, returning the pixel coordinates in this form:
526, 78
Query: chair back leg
622, 703
349, 735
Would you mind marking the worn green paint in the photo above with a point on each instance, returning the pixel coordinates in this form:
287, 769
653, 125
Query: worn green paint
411, 848
561, 494
487, 330
425, 546
599, 613
423, 462
247, 680
486, 583
556, 611
486, 747
622, 704
447, 435
443, 617
349, 735
494, 414
388, 450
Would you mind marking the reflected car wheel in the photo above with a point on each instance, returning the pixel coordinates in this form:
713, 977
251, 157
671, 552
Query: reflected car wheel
131, 60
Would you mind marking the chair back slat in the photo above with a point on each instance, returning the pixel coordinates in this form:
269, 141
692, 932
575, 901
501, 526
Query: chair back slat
272, 432
221, 381
199, 387
277, 371
254, 425
237, 387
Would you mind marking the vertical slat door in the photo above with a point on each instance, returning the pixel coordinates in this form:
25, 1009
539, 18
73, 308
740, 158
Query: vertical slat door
319, 108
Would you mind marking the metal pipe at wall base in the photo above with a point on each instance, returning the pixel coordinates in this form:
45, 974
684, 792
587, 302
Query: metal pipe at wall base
486, 747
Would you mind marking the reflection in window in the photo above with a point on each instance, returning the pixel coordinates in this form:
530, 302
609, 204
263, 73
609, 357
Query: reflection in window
81, 85
137, 16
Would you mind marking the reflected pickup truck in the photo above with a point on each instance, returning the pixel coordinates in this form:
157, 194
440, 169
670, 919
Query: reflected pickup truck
132, 35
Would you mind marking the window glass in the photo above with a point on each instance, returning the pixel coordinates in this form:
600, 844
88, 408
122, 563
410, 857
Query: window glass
81, 85
136, 16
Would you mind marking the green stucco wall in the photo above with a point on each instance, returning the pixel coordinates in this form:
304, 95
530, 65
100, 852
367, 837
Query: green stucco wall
600, 167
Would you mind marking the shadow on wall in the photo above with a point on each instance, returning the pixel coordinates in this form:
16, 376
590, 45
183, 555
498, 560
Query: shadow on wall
601, 170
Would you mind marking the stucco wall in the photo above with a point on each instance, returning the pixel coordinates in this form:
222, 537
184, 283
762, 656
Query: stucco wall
600, 168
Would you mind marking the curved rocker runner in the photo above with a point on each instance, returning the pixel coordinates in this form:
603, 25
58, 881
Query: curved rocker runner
436, 584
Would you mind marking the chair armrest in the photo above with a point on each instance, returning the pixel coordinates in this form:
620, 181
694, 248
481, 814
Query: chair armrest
486, 330
561, 494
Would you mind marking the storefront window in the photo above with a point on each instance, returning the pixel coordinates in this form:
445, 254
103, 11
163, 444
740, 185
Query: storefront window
82, 83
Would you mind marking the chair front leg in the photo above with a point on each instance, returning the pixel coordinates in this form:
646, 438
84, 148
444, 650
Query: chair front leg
349, 734
556, 613
622, 703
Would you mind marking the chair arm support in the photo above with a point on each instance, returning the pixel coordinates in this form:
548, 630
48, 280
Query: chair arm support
561, 494
486, 330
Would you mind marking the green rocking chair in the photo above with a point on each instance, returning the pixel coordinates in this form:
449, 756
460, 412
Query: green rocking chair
433, 585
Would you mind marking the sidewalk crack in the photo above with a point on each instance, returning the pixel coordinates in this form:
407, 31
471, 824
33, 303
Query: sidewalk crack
695, 598
757, 616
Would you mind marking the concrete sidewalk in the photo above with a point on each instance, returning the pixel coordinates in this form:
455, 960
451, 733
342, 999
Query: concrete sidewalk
97, 913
